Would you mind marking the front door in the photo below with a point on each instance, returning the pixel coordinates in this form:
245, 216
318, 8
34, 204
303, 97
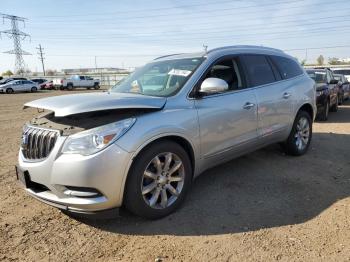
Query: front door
228, 121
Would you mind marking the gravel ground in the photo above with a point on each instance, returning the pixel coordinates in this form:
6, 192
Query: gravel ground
261, 207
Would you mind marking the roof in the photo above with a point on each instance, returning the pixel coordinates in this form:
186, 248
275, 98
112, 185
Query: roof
222, 49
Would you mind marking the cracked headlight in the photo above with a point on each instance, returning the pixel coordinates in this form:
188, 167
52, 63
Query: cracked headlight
94, 140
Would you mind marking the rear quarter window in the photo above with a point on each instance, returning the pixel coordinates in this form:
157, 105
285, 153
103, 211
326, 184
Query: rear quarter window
288, 67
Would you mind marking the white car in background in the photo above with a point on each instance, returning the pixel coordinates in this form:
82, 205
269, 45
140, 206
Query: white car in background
19, 86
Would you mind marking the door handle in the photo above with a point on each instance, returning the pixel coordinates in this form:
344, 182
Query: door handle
286, 95
248, 105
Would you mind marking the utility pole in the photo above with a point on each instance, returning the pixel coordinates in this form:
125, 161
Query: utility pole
41, 57
17, 37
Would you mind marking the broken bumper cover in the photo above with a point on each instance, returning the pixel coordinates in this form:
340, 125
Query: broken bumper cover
76, 183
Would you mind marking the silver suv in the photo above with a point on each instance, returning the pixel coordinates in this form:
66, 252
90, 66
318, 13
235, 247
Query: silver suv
142, 143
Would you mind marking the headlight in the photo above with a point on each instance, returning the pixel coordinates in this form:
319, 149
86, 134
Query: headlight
91, 141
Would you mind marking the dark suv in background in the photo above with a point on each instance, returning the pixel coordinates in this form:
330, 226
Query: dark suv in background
327, 90
344, 87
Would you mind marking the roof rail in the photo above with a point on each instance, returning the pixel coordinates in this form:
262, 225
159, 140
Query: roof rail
244, 46
167, 56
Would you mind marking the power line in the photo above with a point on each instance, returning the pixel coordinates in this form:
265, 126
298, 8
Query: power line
17, 37
158, 54
134, 26
41, 57
275, 6
170, 8
177, 39
206, 31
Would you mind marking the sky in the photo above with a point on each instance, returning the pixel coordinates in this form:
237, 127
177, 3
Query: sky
129, 33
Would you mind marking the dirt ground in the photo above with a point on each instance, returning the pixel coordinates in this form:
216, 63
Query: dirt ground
261, 207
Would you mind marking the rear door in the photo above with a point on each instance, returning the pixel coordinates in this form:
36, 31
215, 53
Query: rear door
274, 96
228, 121
333, 88
27, 85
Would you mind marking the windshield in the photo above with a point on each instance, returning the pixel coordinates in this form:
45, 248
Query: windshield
162, 78
318, 77
337, 77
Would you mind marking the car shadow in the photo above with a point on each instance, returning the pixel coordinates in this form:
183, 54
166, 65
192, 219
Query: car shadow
264, 189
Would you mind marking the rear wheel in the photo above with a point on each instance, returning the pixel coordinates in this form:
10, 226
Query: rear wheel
300, 137
33, 89
158, 180
96, 86
9, 90
324, 115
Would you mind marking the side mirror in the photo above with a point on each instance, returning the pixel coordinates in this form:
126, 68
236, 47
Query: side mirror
333, 82
340, 83
213, 85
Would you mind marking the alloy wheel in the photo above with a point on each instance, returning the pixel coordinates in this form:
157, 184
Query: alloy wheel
163, 180
302, 133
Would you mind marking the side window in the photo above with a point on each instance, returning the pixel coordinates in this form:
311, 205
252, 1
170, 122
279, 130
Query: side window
81, 77
227, 70
259, 70
288, 67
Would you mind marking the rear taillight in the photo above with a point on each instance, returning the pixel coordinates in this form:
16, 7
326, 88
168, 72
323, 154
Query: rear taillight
61, 81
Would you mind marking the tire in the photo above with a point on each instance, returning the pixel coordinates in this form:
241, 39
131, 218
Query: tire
324, 115
334, 107
96, 86
9, 91
341, 100
33, 89
70, 87
141, 189
292, 143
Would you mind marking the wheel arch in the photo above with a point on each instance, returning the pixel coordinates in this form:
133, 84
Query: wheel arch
308, 108
177, 138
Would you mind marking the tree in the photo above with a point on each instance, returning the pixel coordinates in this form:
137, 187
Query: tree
333, 61
320, 60
20, 72
7, 73
51, 72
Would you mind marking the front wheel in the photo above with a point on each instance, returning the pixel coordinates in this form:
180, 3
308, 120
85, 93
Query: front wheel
299, 138
158, 180
324, 115
33, 89
341, 100
334, 108
70, 87
9, 91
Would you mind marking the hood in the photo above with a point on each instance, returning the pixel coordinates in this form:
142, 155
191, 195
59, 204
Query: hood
89, 102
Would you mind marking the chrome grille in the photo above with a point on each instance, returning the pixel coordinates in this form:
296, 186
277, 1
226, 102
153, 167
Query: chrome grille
37, 143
